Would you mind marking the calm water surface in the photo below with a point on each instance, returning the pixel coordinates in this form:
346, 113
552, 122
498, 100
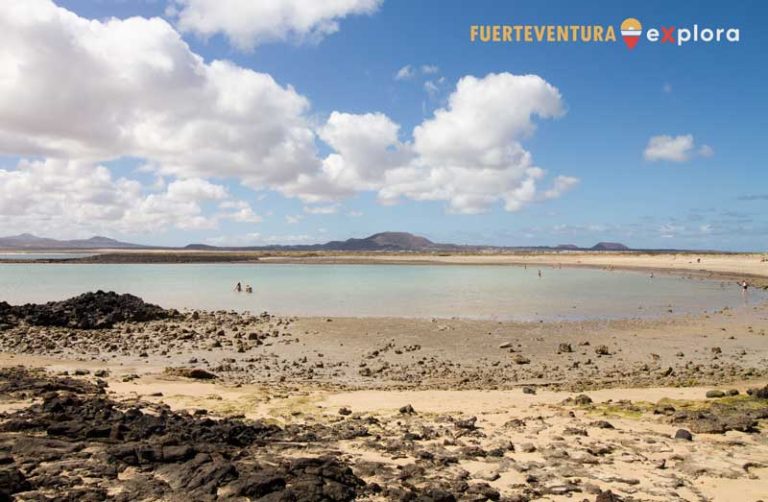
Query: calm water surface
490, 292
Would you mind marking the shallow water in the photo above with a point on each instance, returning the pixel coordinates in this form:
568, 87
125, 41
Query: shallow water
488, 292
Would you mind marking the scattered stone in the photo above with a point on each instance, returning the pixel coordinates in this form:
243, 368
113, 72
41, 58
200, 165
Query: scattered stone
759, 393
521, 359
194, 373
468, 424
608, 496
684, 435
602, 350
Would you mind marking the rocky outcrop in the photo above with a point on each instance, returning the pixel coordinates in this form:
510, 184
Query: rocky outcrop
74, 432
87, 311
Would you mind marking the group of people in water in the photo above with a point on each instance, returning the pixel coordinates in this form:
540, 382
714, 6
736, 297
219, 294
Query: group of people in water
240, 288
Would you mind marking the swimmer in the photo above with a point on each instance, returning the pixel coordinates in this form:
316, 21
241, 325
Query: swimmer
248, 288
239, 287
744, 286
539, 273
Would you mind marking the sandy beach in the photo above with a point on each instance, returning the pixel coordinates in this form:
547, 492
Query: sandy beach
671, 408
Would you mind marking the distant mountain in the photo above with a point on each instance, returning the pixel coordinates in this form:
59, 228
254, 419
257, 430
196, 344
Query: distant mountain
384, 241
200, 247
609, 246
29, 241
402, 241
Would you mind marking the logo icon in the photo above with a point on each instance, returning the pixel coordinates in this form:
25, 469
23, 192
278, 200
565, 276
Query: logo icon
631, 29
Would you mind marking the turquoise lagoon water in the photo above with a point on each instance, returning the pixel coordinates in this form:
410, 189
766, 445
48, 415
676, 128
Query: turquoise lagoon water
488, 292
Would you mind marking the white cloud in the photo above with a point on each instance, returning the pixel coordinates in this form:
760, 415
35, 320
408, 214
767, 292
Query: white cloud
247, 23
674, 148
432, 88
468, 154
365, 146
405, 73
78, 92
136, 88
561, 185
292, 219
239, 211
257, 239
327, 209
64, 198
195, 189
706, 151
409, 72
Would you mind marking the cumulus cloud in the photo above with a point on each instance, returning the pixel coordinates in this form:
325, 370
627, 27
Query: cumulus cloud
366, 147
62, 198
79, 92
561, 185
86, 89
239, 211
674, 149
469, 154
247, 23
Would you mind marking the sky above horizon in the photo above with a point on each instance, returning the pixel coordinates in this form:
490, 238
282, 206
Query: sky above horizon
232, 122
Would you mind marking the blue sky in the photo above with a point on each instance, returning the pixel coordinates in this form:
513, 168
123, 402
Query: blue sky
613, 102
